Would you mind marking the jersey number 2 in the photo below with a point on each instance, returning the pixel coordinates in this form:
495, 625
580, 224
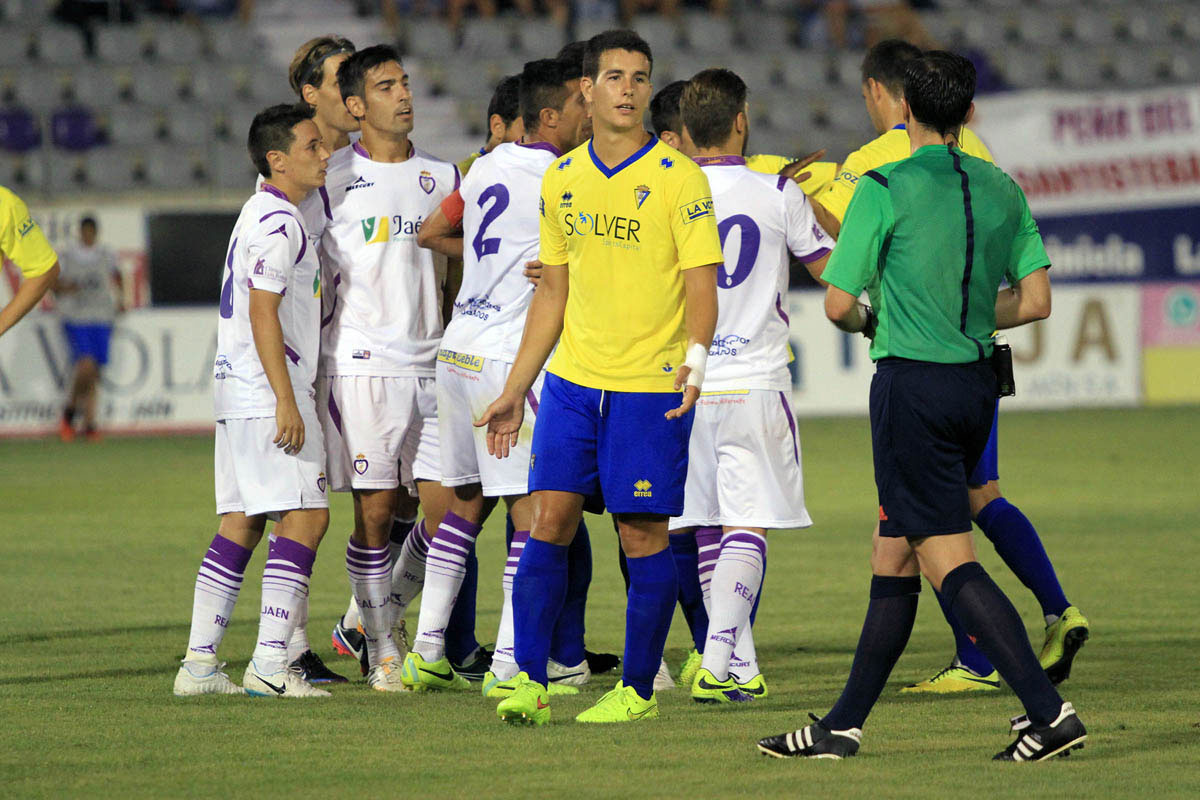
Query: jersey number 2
486, 247
747, 250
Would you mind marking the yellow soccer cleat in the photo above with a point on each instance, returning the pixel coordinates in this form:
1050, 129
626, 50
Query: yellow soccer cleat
420, 675
1063, 640
528, 704
756, 687
495, 688
691, 665
955, 678
622, 704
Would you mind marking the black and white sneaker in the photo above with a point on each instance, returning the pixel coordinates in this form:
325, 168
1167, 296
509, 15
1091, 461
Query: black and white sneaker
812, 741
313, 669
1058, 738
476, 665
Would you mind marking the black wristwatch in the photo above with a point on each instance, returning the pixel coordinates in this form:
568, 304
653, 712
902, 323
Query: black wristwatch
872, 323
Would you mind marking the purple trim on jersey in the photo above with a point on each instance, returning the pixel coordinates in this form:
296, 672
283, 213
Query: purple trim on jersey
358, 148
779, 307
549, 148
608, 173
335, 415
325, 200
290, 353
787, 412
783, 181
457, 178
303, 245
337, 281
275, 190
720, 161
270, 214
533, 401
814, 255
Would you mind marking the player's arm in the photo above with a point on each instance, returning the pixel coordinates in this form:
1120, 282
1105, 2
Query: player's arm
1028, 300
28, 294
700, 319
24, 243
442, 231
806, 237
856, 258
543, 326
268, 341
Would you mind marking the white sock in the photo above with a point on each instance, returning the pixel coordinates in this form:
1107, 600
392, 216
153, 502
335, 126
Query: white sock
708, 548
408, 572
444, 572
350, 619
218, 583
284, 591
743, 662
370, 574
298, 644
735, 583
504, 661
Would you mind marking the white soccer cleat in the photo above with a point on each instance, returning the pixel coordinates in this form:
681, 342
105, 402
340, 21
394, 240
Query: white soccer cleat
201, 677
282, 683
385, 676
663, 680
562, 675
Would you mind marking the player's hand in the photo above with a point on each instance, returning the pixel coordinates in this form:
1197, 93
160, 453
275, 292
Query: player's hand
503, 419
792, 170
690, 395
533, 271
289, 428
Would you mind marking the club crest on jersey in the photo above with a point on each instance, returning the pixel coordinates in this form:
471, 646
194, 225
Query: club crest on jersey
375, 229
642, 489
426, 182
640, 194
566, 162
321, 483
359, 183
667, 368
697, 209
361, 463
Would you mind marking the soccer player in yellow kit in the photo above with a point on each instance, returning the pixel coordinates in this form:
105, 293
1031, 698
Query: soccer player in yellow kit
23, 243
1016, 540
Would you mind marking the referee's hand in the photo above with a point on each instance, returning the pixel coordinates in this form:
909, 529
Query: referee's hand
503, 420
690, 394
289, 428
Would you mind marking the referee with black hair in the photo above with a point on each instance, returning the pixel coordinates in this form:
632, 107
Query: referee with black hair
931, 238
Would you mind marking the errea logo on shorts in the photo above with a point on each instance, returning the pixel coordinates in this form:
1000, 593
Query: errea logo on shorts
642, 489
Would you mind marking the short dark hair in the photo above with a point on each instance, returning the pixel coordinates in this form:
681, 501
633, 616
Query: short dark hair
506, 100
88, 221
308, 64
939, 88
352, 74
710, 103
664, 109
617, 39
571, 56
885, 62
541, 87
272, 130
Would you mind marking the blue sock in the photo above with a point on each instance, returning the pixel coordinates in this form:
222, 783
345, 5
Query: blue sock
566, 644
538, 590
653, 589
460, 629
965, 651
1018, 543
509, 530
691, 602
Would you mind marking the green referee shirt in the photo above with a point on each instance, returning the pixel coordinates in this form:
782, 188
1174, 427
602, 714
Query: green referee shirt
930, 238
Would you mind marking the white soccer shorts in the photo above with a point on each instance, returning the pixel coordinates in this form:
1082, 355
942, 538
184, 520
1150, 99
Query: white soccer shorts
254, 476
379, 431
744, 463
466, 386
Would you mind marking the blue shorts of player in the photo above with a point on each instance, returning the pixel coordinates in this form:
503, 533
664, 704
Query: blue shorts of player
591, 441
89, 340
929, 427
988, 468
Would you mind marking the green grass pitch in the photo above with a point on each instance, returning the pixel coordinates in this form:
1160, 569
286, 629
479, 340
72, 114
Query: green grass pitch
100, 544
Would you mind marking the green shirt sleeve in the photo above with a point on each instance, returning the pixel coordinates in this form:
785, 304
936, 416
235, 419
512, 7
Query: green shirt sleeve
1028, 251
866, 228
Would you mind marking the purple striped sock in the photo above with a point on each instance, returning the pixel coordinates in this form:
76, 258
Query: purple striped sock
284, 589
708, 548
370, 571
445, 568
218, 583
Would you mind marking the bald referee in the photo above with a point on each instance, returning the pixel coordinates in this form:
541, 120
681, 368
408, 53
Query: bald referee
931, 238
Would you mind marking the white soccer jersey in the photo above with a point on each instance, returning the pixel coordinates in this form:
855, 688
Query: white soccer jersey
91, 270
268, 250
500, 233
385, 318
760, 218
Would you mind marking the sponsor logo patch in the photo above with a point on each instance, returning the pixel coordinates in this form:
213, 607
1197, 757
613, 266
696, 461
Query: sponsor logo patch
359, 183
25, 227
365, 355
461, 360
697, 209
375, 229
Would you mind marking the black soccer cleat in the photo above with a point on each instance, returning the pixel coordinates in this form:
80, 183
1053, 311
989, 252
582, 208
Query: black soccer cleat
477, 666
1058, 738
812, 741
313, 669
351, 642
599, 663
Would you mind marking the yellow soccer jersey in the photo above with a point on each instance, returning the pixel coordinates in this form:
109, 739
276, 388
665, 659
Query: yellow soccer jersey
891, 146
464, 166
21, 240
626, 234
822, 171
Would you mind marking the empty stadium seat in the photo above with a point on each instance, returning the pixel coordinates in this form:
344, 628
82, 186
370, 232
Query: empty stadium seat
539, 38
429, 38
161, 86
75, 128
20, 130
176, 167
178, 43
22, 172
15, 46
135, 125
230, 168
60, 45
229, 41
93, 86
710, 34
121, 44
191, 124
214, 85
489, 38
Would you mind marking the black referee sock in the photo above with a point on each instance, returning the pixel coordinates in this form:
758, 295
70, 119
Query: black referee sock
991, 621
884, 635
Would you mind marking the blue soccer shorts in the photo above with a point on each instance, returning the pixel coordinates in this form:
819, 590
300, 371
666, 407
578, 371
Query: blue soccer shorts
618, 444
89, 340
988, 468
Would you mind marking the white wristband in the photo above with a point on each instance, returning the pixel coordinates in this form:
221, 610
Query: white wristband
697, 358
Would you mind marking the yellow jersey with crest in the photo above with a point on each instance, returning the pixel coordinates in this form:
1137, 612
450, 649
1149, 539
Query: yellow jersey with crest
890, 146
625, 234
21, 240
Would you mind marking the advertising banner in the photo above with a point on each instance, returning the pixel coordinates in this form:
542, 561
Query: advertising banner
1171, 342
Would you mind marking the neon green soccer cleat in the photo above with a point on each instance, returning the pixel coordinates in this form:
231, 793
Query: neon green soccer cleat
622, 704
756, 687
691, 665
496, 688
420, 675
955, 678
528, 704
1063, 640
707, 689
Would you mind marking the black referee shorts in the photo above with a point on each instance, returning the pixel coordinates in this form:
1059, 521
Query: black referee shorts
929, 426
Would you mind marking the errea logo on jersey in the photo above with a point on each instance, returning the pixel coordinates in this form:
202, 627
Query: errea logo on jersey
697, 209
359, 183
642, 489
